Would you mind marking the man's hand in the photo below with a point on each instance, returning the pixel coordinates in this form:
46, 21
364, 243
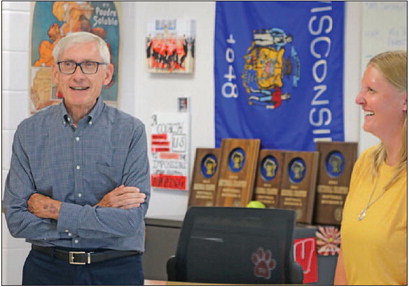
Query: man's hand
43, 206
124, 197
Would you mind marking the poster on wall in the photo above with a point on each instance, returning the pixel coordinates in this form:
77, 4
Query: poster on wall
54, 20
170, 150
170, 46
277, 79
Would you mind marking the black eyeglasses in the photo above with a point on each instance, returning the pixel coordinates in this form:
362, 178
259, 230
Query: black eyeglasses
87, 67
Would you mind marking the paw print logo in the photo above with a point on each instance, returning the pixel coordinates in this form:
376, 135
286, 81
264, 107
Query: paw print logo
263, 263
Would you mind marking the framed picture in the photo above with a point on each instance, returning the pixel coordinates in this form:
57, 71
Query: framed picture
170, 46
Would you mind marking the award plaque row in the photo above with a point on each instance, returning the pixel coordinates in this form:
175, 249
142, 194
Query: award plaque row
314, 184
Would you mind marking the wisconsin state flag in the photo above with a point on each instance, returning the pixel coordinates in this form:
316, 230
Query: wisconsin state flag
279, 73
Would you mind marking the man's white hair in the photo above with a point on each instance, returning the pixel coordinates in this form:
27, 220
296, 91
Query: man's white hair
78, 38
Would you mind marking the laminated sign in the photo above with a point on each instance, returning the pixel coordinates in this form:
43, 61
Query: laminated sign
170, 145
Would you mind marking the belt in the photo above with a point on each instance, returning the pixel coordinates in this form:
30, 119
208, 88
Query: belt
83, 257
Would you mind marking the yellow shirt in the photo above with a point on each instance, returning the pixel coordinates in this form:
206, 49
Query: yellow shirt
374, 248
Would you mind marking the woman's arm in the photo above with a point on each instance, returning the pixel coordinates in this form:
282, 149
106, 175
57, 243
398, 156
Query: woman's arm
340, 276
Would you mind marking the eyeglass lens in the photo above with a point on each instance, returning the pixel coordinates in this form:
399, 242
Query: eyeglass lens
87, 67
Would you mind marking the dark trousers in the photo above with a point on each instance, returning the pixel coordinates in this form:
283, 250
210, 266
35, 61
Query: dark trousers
42, 269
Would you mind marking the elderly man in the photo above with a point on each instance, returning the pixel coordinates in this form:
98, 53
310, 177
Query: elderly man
78, 185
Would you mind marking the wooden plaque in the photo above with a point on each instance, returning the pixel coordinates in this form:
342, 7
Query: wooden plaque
205, 175
298, 184
336, 162
237, 172
268, 177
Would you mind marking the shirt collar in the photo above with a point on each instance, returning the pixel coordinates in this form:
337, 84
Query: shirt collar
95, 112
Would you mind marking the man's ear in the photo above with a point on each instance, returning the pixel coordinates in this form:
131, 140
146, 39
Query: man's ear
109, 72
55, 73
405, 102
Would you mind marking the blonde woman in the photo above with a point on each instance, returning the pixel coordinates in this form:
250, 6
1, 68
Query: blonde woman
374, 225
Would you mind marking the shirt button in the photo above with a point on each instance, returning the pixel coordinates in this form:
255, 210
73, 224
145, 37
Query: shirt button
79, 194
70, 234
77, 167
90, 123
77, 139
67, 230
76, 241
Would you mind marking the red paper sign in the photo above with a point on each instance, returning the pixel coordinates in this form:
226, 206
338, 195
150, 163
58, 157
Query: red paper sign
169, 181
305, 254
159, 137
169, 155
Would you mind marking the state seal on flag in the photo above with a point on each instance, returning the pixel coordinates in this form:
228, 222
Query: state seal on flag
269, 59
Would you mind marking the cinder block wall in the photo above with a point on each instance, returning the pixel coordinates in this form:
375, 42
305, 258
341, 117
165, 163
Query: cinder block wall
15, 78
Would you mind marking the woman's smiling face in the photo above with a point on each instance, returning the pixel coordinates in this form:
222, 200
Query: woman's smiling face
384, 106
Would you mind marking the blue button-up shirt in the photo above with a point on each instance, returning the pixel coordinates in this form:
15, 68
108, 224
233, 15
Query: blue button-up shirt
78, 166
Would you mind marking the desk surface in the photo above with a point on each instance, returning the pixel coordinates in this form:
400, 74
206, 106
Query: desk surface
155, 282
171, 283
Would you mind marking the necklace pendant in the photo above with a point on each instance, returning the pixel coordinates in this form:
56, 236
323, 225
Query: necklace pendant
362, 215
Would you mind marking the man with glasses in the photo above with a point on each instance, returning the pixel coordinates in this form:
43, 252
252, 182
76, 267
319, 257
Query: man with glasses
78, 185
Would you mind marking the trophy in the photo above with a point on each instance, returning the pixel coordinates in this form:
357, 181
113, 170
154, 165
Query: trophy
335, 168
268, 177
237, 172
298, 184
204, 179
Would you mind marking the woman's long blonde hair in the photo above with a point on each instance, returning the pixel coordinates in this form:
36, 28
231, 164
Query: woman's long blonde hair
393, 66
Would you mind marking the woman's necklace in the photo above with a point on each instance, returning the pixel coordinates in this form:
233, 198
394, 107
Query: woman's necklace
362, 214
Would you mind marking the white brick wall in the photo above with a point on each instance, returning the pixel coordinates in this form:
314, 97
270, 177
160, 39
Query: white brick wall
15, 88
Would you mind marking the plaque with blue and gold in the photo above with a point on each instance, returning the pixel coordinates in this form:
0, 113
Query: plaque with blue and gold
298, 184
205, 175
237, 172
268, 179
335, 168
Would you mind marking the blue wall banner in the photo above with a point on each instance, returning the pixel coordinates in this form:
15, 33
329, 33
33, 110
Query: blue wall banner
279, 73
